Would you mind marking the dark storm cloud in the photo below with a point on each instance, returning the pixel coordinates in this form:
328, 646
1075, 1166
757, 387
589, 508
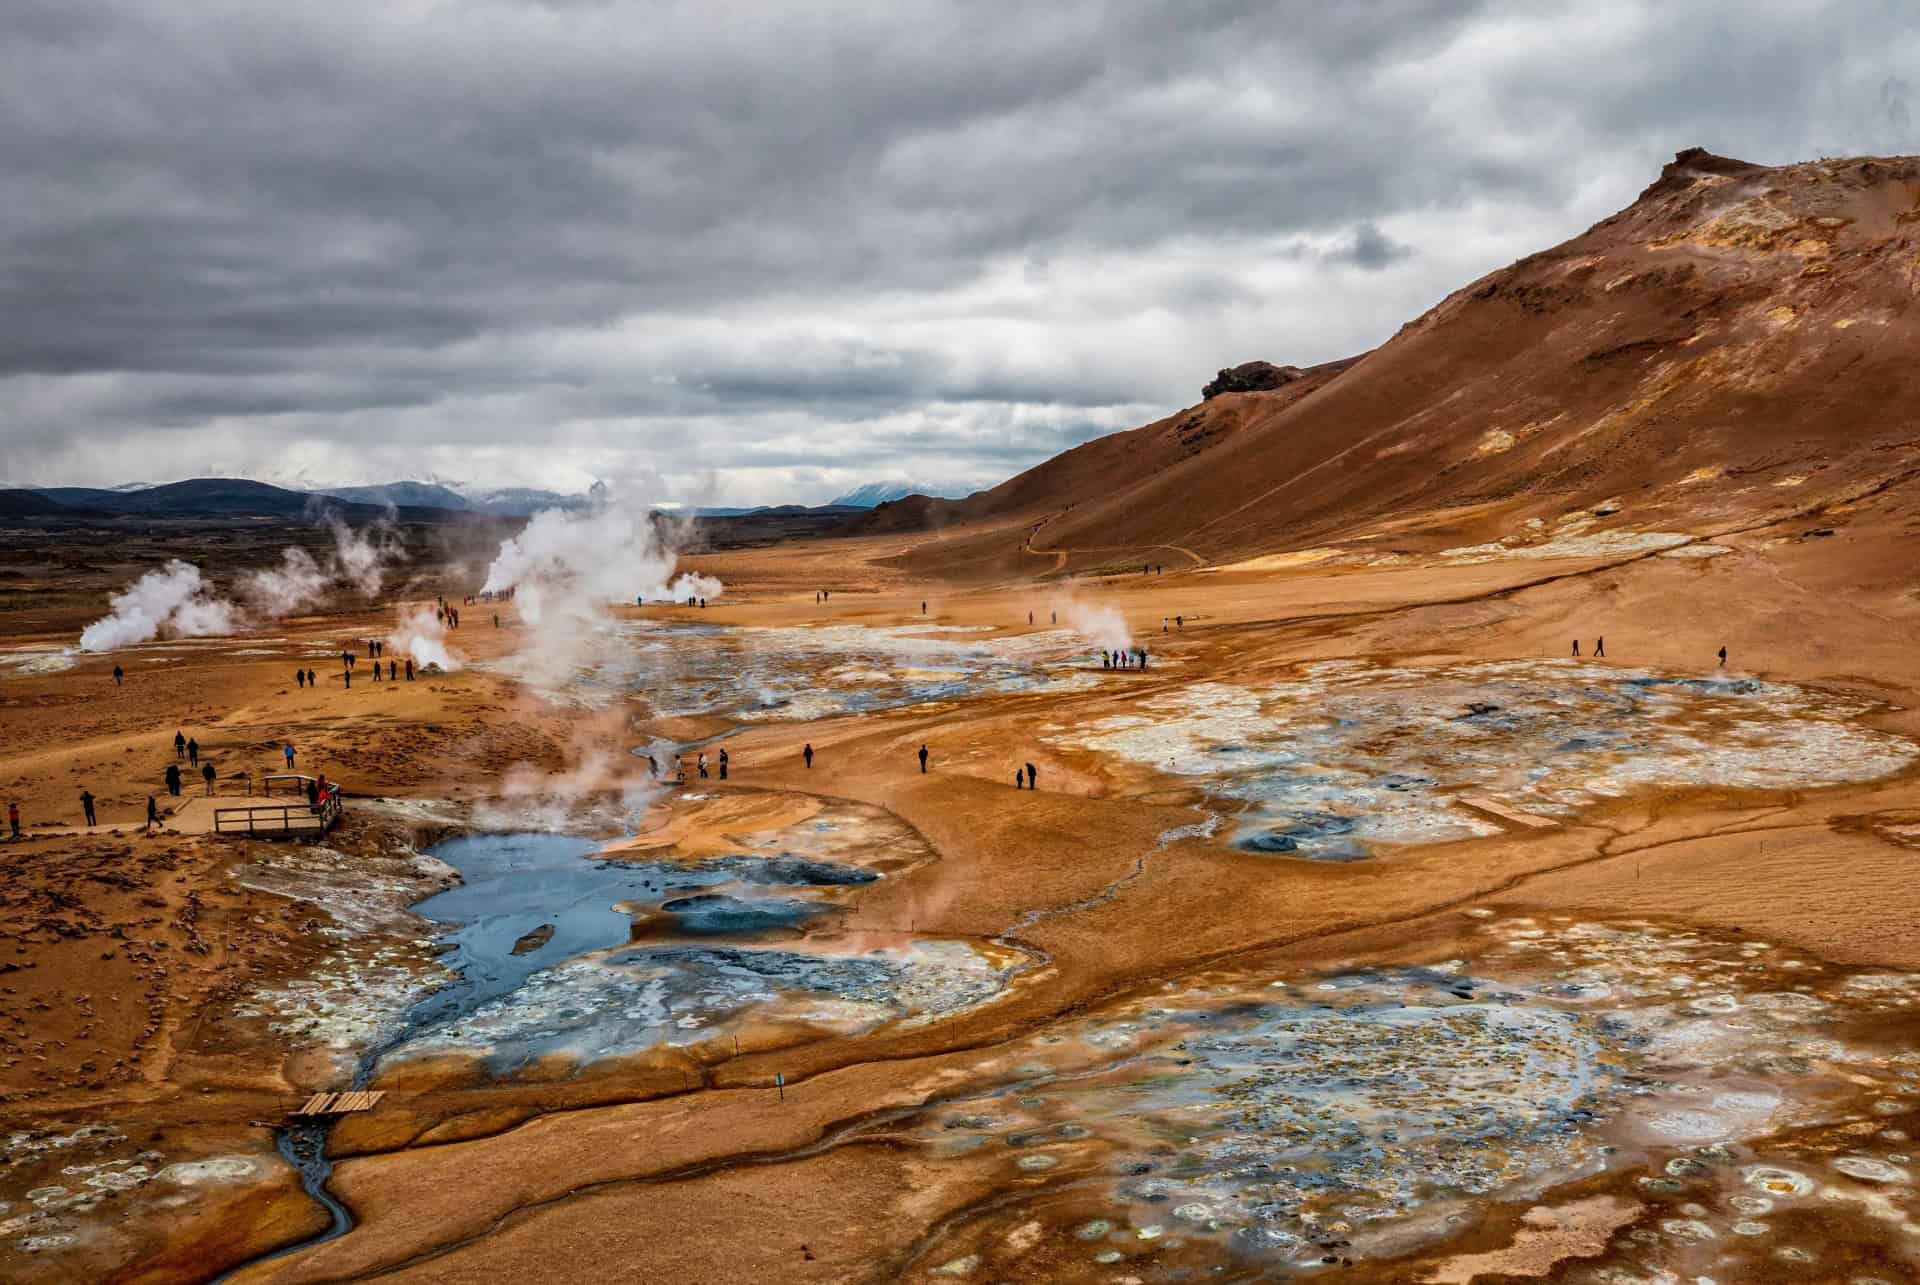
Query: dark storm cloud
779, 247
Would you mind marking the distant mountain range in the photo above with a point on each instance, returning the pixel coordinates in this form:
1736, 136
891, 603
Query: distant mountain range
515, 501
874, 494
410, 501
200, 497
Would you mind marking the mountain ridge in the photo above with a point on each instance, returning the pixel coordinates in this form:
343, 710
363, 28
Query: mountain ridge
1735, 327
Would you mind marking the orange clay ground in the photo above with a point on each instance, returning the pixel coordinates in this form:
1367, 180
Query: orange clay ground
132, 1037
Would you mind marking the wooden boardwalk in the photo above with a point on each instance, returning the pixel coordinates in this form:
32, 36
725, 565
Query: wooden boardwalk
278, 820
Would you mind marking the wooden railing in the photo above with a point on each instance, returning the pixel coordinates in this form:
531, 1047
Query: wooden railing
283, 819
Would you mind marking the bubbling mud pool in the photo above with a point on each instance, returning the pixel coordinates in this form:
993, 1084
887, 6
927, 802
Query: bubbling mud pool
797, 673
547, 957
1741, 1107
1353, 755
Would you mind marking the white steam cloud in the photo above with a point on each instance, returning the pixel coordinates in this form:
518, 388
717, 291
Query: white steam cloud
602, 787
1104, 627
178, 601
422, 635
361, 558
175, 601
283, 590
565, 568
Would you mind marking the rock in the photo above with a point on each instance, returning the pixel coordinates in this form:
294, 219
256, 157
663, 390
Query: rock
534, 940
1251, 377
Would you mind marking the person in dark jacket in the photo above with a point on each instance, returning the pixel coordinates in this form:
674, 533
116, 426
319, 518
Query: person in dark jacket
86, 806
923, 760
173, 779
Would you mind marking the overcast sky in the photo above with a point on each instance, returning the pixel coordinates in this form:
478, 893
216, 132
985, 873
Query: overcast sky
735, 252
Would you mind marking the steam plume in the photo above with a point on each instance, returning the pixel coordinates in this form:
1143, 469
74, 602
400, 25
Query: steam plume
421, 635
177, 601
1104, 627
565, 567
174, 601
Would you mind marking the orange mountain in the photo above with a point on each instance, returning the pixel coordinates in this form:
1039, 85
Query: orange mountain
1739, 343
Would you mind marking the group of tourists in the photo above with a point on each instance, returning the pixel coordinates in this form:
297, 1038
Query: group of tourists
185, 748
1124, 658
349, 661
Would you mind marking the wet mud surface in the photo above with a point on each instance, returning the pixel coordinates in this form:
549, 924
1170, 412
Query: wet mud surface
791, 674
1745, 1106
1351, 755
555, 950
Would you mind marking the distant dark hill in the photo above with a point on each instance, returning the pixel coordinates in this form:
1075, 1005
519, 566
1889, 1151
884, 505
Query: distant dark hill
231, 497
415, 494
83, 497
18, 503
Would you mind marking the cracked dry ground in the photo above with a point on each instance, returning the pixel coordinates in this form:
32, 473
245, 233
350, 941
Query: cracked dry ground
987, 1144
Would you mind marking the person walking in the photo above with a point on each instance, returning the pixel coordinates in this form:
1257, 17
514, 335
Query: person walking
1179, 623
701, 763
376, 671
179, 745
653, 767
1600, 647
807, 754
173, 779
313, 795
923, 760
86, 806
206, 774
1018, 776
1576, 646
13, 818
300, 678
153, 814
346, 677
1723, 658
409, 669
393, 670
287, 750
118, 674
723, 765
1033, 777
313, 679
193, 751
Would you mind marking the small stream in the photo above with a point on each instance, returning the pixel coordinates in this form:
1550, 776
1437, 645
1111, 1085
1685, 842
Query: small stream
512, 885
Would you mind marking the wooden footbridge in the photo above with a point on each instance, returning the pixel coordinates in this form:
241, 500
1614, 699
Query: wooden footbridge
339, 1103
